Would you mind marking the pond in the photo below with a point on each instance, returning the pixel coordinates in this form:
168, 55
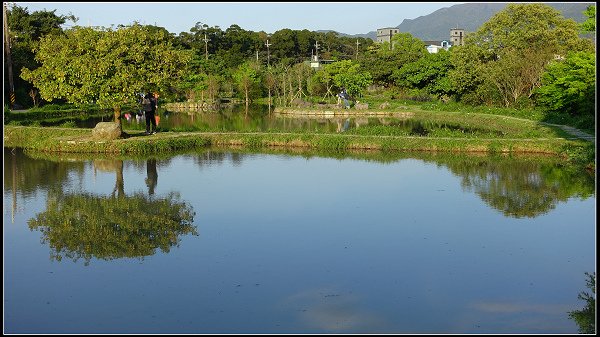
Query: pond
224, 241
258, 119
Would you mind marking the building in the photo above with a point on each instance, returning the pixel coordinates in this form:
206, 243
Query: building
385, 34
316, 63
457, 36
435, 46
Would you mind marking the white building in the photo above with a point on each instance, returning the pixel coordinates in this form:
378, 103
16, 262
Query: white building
435, 46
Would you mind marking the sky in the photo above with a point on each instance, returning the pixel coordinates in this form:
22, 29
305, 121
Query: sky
343, 17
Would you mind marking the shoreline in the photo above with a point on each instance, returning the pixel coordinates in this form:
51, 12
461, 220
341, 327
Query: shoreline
54, 139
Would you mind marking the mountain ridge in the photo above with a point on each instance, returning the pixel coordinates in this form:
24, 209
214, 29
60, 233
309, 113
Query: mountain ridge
468, 16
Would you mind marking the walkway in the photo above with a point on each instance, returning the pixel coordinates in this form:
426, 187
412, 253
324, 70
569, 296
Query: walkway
575, 132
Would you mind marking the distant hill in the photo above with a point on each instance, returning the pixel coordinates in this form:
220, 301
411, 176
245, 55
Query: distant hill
468, 16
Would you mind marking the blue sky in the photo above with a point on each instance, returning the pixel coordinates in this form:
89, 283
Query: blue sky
177, 17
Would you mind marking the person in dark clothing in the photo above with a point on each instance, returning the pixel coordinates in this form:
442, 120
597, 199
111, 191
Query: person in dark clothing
149, 106
344, 96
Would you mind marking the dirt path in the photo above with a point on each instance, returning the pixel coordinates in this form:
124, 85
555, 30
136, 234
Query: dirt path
574, 132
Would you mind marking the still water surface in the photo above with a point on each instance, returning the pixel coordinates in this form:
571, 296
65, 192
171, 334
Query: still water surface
230, 242
259, 119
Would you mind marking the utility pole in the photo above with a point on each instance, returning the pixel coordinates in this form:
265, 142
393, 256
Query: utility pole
357, 43
11, 85
268, 53
206, 45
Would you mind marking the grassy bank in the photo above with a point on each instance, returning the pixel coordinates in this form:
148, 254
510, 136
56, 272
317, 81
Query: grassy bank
80, 141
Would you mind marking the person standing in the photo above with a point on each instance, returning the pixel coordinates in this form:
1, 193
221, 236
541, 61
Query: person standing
149, 106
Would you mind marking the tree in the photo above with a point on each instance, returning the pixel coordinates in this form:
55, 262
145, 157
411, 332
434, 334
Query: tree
586, 317
516, 74
589, 25
238, 46
26, 29
246, 77
105, 66
536, 31
347, 74
386, 57
569, 85
429, 73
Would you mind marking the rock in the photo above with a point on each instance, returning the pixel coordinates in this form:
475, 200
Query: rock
300, 103
361, 106
106, 131
384, 105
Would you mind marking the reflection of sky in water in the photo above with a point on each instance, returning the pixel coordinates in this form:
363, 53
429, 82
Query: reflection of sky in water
309, 245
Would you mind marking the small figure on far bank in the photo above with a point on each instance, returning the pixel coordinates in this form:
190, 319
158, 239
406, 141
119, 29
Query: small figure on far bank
149, 106
344, 95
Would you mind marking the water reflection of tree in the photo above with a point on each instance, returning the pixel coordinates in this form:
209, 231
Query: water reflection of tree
27, 175
107, 227
86, 226
522, 188
586, 317
517, 186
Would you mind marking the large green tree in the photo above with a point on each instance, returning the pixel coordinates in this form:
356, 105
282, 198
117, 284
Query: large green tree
569, 85
25, 30
532, 34
247, 77
589, 25
428, 73
383, 59
105, 66
347, 74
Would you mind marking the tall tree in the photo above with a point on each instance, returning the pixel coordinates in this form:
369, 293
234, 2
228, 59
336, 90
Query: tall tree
589, 25
247, 76
386, 57
429, 73
347, 74
105, 66
537, 31
569, 85
25, 30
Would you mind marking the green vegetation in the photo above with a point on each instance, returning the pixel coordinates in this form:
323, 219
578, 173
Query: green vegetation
109, 227
526, 62
517, 185
79, 140
110, 68
586, 317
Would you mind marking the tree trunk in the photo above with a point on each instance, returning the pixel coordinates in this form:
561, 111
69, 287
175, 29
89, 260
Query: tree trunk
269, 100
117, 115
247, 101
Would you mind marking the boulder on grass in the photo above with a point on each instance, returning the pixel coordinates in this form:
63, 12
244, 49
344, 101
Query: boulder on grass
361, 106
106, 131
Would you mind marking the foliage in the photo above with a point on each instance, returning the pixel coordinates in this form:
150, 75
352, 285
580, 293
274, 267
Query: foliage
590, 23
26, 29
429, 73
586, 317
106, 227
104, 66
247, 76
347, 74
503, 61
383, 58
569, 85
